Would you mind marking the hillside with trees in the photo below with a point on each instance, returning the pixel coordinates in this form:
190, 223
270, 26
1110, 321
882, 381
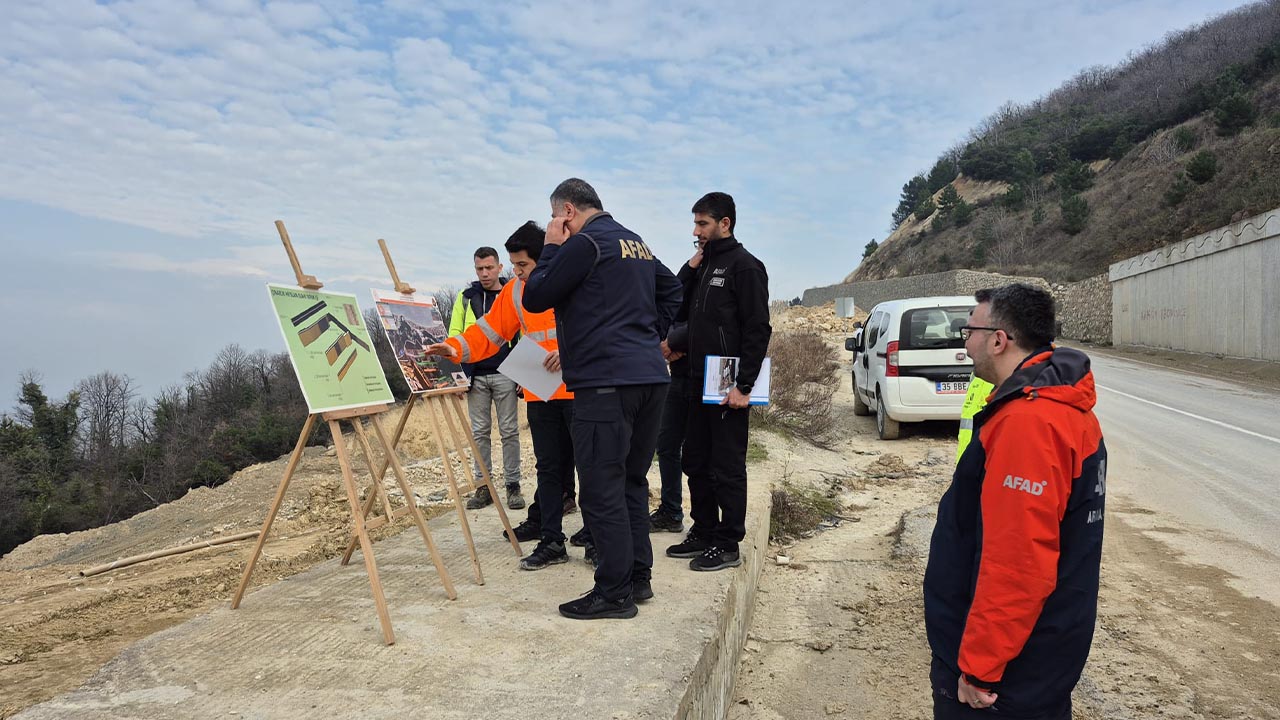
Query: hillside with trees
103, 453
1182, 137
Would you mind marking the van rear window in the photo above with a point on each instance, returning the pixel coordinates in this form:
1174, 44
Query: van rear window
933, 328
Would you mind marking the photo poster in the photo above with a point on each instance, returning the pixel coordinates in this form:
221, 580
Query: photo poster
720, 374
330, 348
411, 324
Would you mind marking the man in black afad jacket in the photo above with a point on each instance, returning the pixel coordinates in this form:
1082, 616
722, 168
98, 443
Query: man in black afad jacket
614, 302
726, 300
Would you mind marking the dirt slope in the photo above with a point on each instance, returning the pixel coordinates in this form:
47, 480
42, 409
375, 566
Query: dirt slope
58, 628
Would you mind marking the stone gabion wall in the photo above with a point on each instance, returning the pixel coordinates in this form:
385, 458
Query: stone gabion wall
953, 282
1084, 310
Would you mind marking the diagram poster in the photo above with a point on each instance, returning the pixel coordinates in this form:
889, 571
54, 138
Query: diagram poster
330, 349
413, 323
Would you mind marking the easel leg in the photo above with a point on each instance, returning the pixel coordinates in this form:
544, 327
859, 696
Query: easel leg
289, 469
357, 518
415, 511
453, 485
457, 443
456, 401
382, 472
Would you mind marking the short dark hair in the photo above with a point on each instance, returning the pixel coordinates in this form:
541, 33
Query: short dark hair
578, 193
485, 251
983, 295
1024, 312
529, 238
719, 206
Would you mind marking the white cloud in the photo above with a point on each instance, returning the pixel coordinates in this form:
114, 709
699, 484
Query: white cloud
443, 126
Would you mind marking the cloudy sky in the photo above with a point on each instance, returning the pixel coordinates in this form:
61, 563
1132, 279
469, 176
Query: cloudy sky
146, 146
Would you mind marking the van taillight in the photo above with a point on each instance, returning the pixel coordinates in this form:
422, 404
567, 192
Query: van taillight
891, 370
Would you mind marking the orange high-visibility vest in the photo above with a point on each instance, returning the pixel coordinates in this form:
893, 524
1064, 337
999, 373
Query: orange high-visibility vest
506, 318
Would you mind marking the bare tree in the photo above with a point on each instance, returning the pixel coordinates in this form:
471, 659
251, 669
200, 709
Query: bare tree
445, 298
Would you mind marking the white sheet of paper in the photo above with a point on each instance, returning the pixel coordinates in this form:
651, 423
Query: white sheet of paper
524, 365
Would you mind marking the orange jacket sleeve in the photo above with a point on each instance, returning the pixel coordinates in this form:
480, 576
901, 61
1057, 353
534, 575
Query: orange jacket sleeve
1024, 497
488, 334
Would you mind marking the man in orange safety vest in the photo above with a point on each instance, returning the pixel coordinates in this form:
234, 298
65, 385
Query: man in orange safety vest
549, 418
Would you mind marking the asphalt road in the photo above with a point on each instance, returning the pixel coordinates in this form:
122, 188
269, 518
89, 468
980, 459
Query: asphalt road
1195, 461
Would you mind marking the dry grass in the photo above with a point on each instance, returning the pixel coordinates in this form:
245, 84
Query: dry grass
801, 386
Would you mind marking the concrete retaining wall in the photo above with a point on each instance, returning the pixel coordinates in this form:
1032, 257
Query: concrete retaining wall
710, 687
1215, 293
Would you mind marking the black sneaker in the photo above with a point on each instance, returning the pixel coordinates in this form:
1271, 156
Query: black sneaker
662, 522
713, 558
515, 500
545, 554
641, 590
526, 531
594, 606
480, 499
582, 538
570, 505
592, 556
693, 546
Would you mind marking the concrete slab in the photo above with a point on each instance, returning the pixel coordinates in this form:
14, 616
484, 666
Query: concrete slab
310, 645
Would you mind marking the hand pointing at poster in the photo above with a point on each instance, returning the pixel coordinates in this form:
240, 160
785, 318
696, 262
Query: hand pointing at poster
443, 350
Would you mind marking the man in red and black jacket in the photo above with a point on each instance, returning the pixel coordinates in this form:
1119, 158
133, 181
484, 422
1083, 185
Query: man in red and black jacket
1011, 588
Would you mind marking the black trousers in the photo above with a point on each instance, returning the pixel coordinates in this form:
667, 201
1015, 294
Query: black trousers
615, 432
715, 459
675, 414
550, 426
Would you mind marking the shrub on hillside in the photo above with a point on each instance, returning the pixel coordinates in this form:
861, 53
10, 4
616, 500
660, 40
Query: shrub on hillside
1178, 191
962, 213
1037, 215
869, 248
924, 209
1233, 114
1185, 139
1074, 177
1015, 198
1075, 214
800, 387
1202, 167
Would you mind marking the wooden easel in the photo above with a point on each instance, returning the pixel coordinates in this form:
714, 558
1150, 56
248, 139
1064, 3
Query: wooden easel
361, 530
447, 403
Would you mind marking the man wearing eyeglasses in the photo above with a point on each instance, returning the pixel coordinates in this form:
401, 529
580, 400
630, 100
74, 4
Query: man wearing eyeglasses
1011, 587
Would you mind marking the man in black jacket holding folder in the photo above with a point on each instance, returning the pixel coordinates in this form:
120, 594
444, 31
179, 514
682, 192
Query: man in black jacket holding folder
726, 301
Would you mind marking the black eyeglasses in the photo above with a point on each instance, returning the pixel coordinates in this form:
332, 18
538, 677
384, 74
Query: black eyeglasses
967, 330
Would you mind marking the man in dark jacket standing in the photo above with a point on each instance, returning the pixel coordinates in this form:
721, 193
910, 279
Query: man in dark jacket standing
726, 300
1011, 588
614, 302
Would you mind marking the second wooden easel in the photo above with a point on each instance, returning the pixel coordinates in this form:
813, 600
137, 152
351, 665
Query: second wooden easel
446, 403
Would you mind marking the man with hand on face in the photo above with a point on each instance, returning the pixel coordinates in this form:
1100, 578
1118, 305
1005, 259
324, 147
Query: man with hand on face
726, 299
1011, 587
488, 386
549, 418
614, 302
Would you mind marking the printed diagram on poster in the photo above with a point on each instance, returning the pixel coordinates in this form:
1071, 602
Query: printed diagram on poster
330, 348
411, 324
721, 373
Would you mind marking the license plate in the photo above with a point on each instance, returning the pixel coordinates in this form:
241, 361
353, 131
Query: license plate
952, 388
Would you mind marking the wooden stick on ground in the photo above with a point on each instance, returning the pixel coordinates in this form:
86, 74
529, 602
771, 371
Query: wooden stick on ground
135, 559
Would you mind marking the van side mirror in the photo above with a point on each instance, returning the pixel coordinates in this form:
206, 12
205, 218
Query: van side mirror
850, 343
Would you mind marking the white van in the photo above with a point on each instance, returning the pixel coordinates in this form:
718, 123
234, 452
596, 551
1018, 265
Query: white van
909, 363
